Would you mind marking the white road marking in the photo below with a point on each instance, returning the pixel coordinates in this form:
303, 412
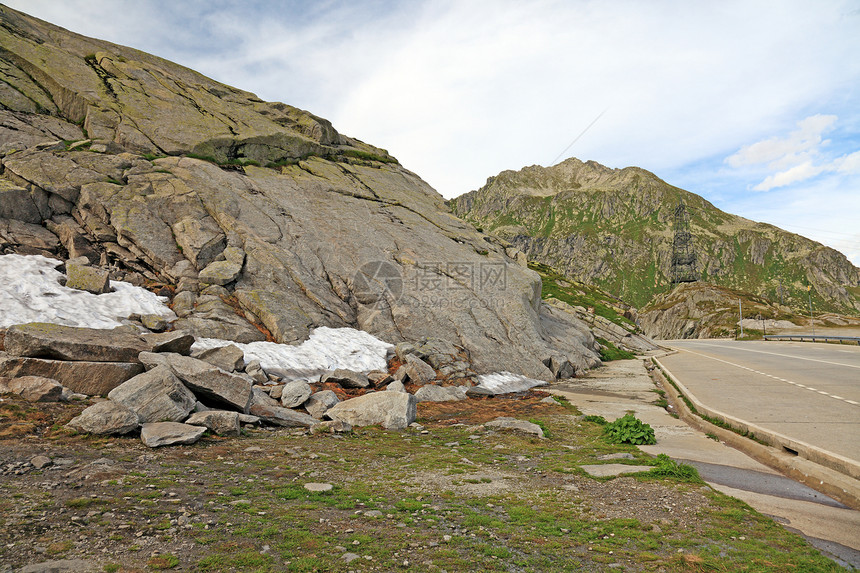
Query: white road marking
810, 388
778, 354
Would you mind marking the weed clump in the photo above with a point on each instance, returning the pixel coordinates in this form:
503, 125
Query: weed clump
629, 430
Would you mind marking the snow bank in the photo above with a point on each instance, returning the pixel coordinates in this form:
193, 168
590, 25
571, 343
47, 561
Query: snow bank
30, 292
504, 382
325, 349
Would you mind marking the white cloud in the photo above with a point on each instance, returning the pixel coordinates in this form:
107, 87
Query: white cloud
797, 157
787, 151
802, 172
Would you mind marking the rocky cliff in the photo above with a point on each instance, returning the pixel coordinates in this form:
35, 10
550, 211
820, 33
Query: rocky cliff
256, 218
613, 228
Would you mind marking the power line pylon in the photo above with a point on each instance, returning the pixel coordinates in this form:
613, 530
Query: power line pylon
683, 255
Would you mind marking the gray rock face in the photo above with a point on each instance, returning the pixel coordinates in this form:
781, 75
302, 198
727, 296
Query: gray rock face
90, 378
17, 203
42, 340
341, 236
506, 423
320, 403
394, 410
433, 393
156, 396
229, 358
170, 434
221, 422
346, 378
105, 418
206, 380
212, 318
295, 393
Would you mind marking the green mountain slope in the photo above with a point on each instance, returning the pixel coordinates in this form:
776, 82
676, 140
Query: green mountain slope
613, 228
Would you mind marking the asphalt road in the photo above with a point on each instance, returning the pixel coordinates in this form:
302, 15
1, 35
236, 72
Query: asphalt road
808, 392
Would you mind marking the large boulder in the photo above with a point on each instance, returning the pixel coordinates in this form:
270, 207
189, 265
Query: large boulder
321, 402
90, 378
295, 393
43, 340
207, 381
170, 434
433, 393
393, 410
222, 422
229, 358
88, 278
346, 378
156, 396
33, 388
105, 418
176, 342
282, 416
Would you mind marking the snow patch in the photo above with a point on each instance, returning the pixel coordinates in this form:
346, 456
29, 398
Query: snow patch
325, 349
30, 291
505, 382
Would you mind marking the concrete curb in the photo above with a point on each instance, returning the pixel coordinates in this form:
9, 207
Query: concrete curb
829, 473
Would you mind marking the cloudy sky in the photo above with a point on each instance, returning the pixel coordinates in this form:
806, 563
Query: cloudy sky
754, 105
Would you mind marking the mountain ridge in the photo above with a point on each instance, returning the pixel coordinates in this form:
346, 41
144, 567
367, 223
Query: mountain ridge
613, 227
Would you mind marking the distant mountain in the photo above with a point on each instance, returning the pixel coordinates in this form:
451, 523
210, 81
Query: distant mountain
613, 228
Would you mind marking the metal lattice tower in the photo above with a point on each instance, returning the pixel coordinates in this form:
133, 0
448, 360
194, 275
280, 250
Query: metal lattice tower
683, 255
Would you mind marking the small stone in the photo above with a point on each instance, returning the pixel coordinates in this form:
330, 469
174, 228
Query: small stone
40, 462
318, 487
616, 456
349, 557
154, 322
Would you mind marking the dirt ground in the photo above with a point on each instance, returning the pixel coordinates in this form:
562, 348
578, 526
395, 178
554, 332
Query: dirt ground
449, 495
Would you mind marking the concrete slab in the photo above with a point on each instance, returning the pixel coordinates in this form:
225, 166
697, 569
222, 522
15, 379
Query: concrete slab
622, 386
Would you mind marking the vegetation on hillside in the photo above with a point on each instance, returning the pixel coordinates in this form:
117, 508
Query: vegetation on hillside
613, 228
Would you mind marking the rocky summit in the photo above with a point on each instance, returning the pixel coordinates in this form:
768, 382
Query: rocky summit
259, 220
614, 228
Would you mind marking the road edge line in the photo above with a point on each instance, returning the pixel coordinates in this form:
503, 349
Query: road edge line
832, 481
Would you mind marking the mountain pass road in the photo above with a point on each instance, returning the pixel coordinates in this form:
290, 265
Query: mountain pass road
808, 392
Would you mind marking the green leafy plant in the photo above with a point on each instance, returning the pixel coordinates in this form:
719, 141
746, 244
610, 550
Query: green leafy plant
629, 430
546, 432
667, 467
595, 419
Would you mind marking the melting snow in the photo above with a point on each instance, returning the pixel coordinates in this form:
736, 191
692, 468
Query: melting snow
30, 292
325, 349
504, 382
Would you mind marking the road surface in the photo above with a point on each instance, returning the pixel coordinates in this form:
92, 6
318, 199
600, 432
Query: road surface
808, 392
